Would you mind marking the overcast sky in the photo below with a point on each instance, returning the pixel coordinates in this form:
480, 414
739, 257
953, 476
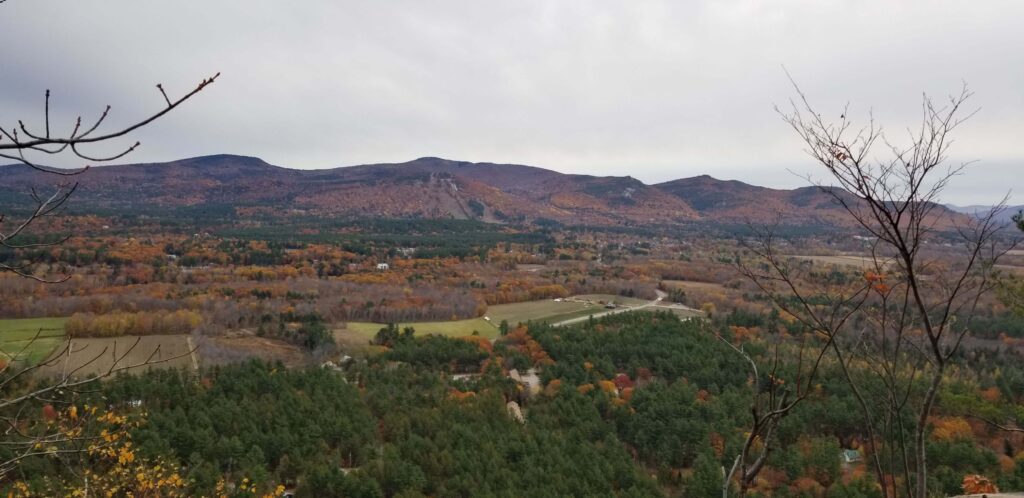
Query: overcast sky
653, 89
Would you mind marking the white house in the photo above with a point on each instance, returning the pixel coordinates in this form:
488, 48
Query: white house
383, 266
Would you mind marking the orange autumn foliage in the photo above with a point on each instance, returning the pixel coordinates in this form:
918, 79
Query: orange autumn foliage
991, 394
481, 342
458, 395
974, 484
717, 444
808, 487
553, 387
608, 386
951, 429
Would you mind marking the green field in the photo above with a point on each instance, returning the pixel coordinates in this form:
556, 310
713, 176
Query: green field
18, 337
547, 310
678, 311
619, 300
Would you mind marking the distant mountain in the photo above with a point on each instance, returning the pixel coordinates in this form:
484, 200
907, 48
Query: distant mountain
431, 187
1005, 215
737, 202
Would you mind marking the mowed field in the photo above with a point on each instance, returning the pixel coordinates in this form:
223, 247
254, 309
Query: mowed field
690, 284
30, 339
454, 328
611, 298
97, 355
547, 310
680, 311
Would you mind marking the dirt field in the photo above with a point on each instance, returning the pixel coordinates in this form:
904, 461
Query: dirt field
221, 350
96, 355
19, 338
1019, 270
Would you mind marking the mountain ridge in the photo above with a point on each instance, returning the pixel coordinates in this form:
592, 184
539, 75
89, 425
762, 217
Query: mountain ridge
432, 187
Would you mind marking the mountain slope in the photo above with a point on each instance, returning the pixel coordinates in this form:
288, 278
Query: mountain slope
1003, 216
430, 188
731, 201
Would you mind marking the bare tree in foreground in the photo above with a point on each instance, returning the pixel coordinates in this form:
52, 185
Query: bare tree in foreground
909, 321
19, 392
773, 400
21, 437
19, 144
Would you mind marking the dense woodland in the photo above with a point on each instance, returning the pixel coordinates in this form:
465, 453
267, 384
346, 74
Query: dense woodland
637, 404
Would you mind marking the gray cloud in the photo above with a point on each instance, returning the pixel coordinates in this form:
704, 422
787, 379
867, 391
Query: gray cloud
654, 89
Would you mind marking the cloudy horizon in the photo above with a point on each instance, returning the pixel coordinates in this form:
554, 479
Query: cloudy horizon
657, 91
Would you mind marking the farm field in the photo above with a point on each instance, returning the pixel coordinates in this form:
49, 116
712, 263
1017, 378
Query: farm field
691, 284
530, 268
96, 355
843, 260
1019, 270
454, 328
225, 350
679, 311
545, 310
16, 338
620, 300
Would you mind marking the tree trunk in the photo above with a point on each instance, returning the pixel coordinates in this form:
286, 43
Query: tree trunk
920, 444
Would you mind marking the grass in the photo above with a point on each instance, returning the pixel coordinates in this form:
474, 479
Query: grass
690, 284
619, 300
680, 312
16, 336
454, 328
546, 310
845, 260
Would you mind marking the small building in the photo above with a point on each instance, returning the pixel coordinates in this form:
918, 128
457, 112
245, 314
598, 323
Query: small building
850, 456
383, 267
